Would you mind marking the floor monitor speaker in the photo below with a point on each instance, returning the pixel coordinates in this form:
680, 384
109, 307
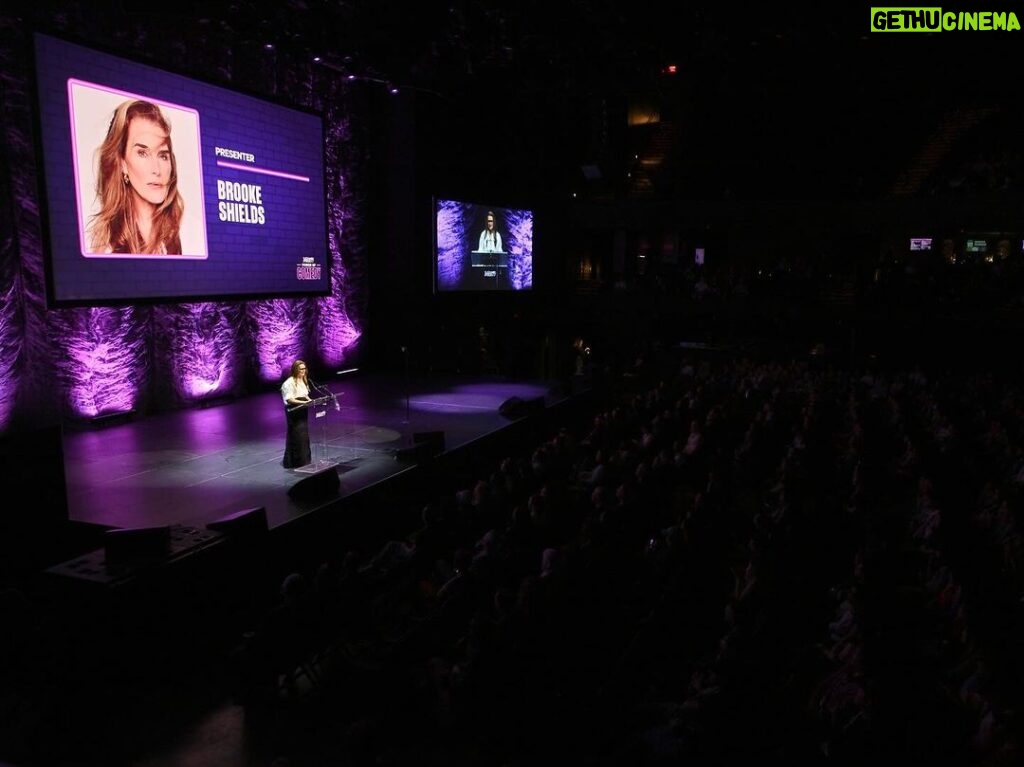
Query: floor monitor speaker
316, 487
244, 522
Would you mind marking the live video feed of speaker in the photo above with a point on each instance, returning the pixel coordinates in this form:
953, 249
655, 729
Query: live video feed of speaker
482, 247
162, 187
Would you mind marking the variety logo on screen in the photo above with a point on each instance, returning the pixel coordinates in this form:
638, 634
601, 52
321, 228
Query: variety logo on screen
309, 269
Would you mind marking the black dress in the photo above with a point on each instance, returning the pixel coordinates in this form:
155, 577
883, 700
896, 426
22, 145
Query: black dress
296, 444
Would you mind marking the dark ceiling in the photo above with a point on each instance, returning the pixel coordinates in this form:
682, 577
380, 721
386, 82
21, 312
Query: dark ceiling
448, 46
770, 92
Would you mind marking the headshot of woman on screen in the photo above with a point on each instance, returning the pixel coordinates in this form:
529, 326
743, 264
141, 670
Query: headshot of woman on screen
137, 185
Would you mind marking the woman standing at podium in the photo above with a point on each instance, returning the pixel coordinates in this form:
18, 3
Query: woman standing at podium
295, 393
490, 237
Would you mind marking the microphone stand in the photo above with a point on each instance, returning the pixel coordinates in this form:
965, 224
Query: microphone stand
352, 433
405, 354
312, 385
323, 391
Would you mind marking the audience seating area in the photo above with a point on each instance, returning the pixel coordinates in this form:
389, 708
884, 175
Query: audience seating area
729, 559
721, 558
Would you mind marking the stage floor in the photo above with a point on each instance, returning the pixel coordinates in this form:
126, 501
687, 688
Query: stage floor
195, 466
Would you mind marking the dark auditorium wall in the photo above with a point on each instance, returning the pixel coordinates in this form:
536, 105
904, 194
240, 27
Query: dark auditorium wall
76, 364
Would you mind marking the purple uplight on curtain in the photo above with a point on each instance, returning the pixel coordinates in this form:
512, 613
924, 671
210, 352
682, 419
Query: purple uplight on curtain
202, 348
103, 358
338, 323
280, 333
520, 263
451, 244
336, 334
10, 336
337, 331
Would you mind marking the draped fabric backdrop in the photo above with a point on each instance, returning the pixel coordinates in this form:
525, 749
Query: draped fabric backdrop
76, 364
